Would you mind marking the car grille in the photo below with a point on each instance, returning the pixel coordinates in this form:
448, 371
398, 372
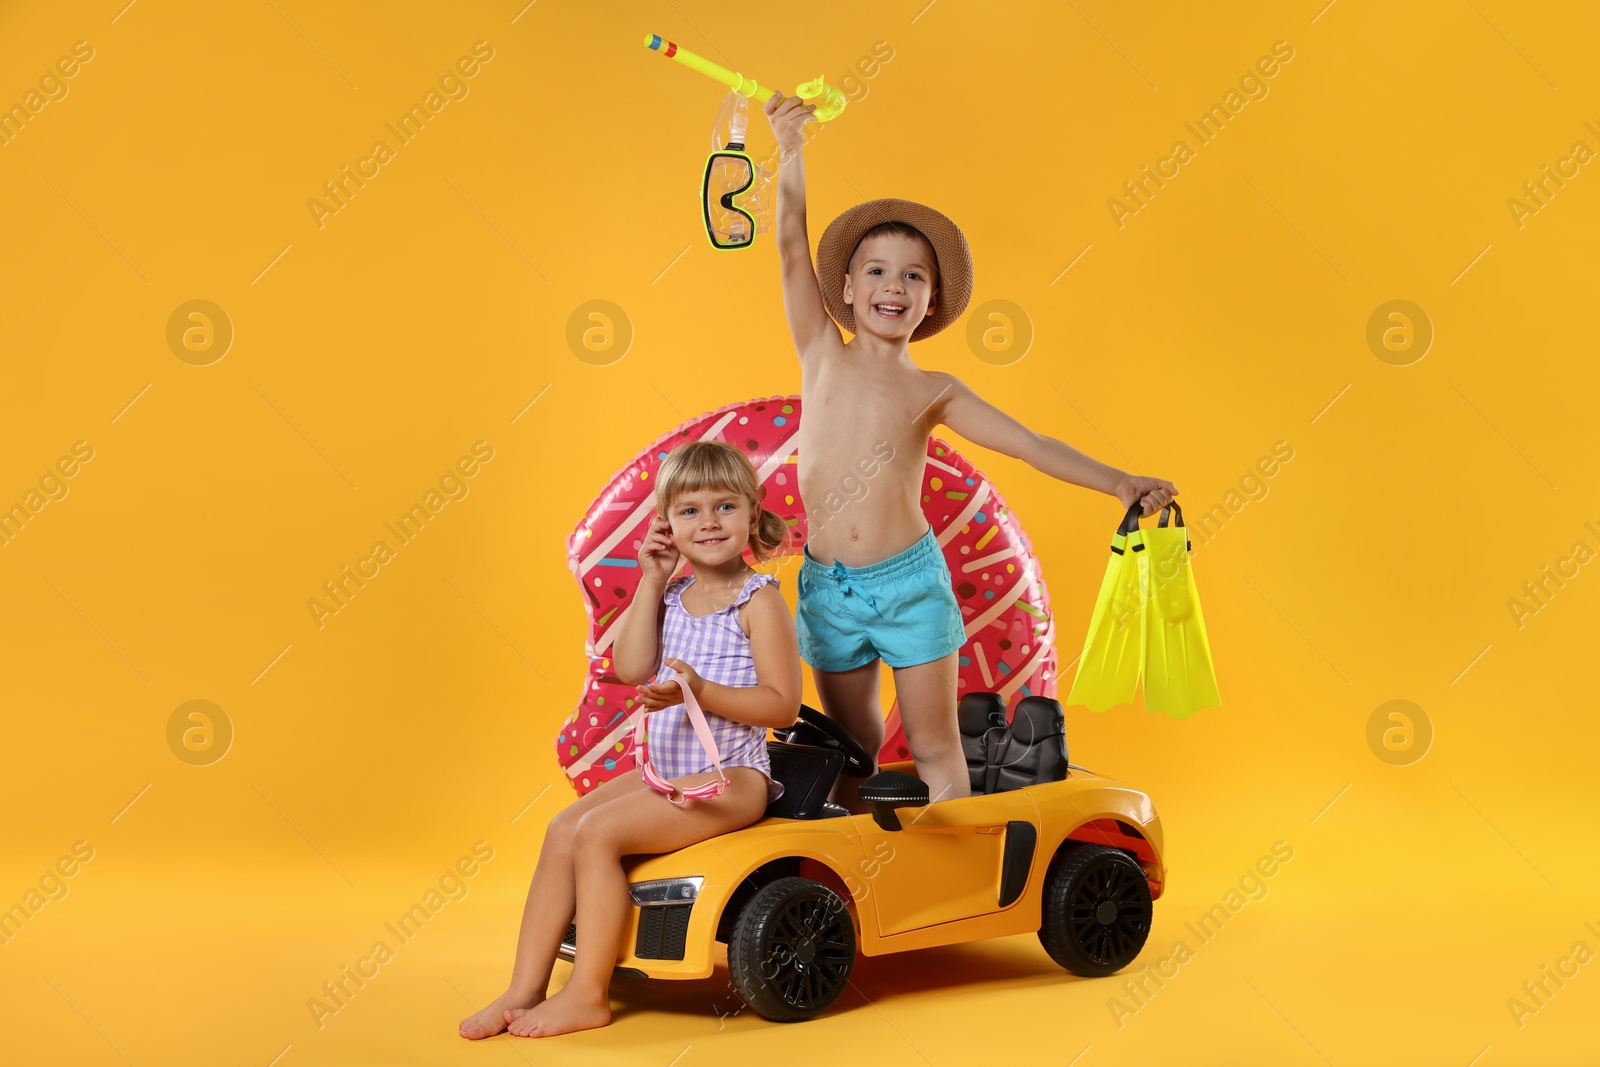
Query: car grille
663, 930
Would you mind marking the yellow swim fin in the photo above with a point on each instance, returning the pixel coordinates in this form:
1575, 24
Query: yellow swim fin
1113, 650
1179, 678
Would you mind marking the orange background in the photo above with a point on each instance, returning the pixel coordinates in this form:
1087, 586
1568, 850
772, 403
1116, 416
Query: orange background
1229, 313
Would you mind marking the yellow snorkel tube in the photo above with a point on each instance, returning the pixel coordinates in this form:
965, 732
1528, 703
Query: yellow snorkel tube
830, 101
728, 188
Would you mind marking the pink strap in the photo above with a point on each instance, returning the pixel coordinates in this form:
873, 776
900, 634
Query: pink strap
702, 730
697, 719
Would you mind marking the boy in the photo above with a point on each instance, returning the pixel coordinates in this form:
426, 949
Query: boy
873, 582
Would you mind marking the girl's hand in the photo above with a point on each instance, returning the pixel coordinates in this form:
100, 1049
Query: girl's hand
1153, 493
658, 695
658, 556
787, 116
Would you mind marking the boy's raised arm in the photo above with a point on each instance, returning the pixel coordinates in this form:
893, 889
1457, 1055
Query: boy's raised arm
802, 298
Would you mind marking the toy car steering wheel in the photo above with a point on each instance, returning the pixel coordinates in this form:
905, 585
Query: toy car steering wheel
816, 729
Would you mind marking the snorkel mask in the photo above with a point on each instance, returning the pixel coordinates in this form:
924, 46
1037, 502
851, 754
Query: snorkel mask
735, 194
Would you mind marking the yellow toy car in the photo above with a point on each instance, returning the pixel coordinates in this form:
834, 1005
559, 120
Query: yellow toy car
1041, 845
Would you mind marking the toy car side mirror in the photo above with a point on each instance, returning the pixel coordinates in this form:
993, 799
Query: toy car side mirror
888, 790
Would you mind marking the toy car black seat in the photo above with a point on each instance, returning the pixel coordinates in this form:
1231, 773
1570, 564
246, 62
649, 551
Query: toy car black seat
1033, 749
982, 721
807, 775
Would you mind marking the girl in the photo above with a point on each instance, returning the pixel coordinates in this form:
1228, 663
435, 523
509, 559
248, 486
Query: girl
726, 633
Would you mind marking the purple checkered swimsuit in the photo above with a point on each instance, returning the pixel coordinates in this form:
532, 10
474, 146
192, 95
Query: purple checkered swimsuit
719, 651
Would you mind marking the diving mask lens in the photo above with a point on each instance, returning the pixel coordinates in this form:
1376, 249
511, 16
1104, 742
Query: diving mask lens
728, 174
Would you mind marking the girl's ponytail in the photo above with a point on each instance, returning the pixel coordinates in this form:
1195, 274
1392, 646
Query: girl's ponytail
770, 534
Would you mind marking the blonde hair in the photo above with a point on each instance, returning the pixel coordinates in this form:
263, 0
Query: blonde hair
700, 465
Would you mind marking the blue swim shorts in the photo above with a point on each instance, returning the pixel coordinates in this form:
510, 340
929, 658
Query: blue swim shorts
901, 609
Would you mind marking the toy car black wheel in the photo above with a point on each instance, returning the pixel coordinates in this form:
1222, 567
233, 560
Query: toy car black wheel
1096, 911
792, 950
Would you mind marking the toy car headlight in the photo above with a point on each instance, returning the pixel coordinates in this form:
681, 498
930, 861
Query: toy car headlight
665, 891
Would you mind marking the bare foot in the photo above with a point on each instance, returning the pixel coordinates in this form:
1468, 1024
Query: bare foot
493, 1019
561, 1014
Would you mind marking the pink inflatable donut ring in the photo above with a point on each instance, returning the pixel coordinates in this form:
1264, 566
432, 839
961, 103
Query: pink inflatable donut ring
1010, 646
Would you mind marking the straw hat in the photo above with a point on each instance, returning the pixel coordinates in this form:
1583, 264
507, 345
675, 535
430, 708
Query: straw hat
954, 264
